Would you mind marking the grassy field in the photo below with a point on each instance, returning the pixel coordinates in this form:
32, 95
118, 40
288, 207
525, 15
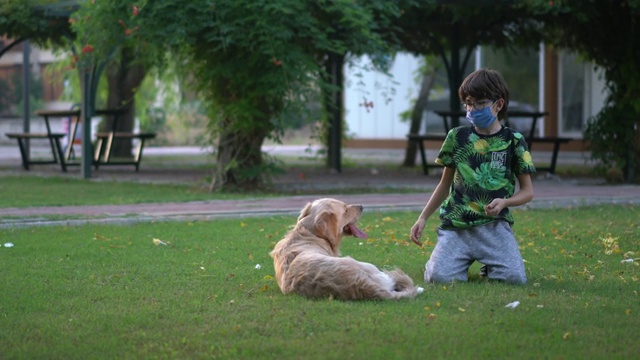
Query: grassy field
25, 191
108, 292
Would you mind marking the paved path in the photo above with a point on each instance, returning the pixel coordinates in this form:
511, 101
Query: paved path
548, 193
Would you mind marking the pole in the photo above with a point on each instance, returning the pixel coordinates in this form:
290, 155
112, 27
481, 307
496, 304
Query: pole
86, 114
26, 92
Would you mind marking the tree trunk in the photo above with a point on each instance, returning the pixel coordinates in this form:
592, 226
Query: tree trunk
239, 162
416, 115
123, 78
333, 103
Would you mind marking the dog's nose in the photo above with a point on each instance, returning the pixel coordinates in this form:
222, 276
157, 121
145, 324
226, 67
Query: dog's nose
359, 207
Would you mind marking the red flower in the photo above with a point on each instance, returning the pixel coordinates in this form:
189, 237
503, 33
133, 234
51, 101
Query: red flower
276, 62
550, 3
136, 10
87, 49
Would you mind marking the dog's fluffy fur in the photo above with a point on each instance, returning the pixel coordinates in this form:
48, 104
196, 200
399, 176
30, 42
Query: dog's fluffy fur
307, 261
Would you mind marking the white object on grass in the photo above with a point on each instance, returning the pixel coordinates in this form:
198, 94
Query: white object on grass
622, 261
258, 266
512, 305
420, 290
158, 242
8, 245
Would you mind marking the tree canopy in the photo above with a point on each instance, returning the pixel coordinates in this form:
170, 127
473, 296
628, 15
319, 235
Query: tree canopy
41, 21
606, 33
253, 60
250, 60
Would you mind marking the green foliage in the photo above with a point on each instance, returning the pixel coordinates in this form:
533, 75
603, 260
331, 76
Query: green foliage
106, 291
42, 21
610, 140
11, 88
606, 33
252, 61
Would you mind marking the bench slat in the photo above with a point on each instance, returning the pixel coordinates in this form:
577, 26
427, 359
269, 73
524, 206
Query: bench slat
34, 135
127, 135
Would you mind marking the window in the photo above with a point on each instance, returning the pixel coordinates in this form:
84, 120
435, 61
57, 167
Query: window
582, 94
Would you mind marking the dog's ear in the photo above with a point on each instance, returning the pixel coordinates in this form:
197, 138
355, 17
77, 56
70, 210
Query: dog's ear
326, 224
305, 212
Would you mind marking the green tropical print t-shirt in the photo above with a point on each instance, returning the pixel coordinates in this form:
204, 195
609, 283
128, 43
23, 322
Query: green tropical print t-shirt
486, 168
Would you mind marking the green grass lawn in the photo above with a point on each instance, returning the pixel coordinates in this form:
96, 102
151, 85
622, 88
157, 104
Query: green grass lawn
106, 291
25, 191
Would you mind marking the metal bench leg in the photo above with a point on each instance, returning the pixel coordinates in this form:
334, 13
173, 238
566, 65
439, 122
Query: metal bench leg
423, 156
96, 153
60, 152
138, 157
23, 153
554, 157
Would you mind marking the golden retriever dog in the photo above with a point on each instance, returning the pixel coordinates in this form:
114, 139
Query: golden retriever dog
307, 260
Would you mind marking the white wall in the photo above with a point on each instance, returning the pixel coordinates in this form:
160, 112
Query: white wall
390, 97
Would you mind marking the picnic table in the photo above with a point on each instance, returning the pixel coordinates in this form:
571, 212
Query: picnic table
103, 144
530, 136
53, 137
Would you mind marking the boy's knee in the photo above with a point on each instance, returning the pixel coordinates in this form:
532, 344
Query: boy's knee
434, 275
514, 278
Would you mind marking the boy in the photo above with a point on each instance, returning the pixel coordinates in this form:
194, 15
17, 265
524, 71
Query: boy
481, 163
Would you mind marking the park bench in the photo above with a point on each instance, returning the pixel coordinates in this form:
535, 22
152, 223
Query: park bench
530, 137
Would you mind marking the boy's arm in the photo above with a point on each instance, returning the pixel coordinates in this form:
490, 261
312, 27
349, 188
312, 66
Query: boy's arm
439, 195
523, 196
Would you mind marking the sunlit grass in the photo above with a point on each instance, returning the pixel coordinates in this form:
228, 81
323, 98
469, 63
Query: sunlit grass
106, 291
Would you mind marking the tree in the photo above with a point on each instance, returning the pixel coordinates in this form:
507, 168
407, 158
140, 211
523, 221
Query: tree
606, 33
428, 77
251, 60
116, 56
453, 29
48, 23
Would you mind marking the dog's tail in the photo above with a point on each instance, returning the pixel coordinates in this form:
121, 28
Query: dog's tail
404, 287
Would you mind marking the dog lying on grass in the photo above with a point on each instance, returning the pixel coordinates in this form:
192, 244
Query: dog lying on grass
307, 260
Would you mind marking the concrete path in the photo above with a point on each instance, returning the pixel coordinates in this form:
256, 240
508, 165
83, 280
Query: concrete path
549, 192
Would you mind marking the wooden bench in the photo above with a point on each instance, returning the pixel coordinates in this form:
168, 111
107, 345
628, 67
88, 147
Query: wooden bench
54, 142
556, 141
531, 137
102, 153
420, 140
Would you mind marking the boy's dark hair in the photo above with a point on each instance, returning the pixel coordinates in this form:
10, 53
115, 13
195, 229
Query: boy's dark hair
485, 84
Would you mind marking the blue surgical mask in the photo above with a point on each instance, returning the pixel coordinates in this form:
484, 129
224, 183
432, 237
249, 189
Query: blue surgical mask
482, 118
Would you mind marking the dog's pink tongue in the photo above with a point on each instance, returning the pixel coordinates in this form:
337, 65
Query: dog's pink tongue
357, 232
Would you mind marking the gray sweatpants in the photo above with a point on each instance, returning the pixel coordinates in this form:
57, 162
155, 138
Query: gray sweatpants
492, 244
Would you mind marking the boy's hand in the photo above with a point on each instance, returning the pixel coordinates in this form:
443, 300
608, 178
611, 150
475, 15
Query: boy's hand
495, 207
416, 232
